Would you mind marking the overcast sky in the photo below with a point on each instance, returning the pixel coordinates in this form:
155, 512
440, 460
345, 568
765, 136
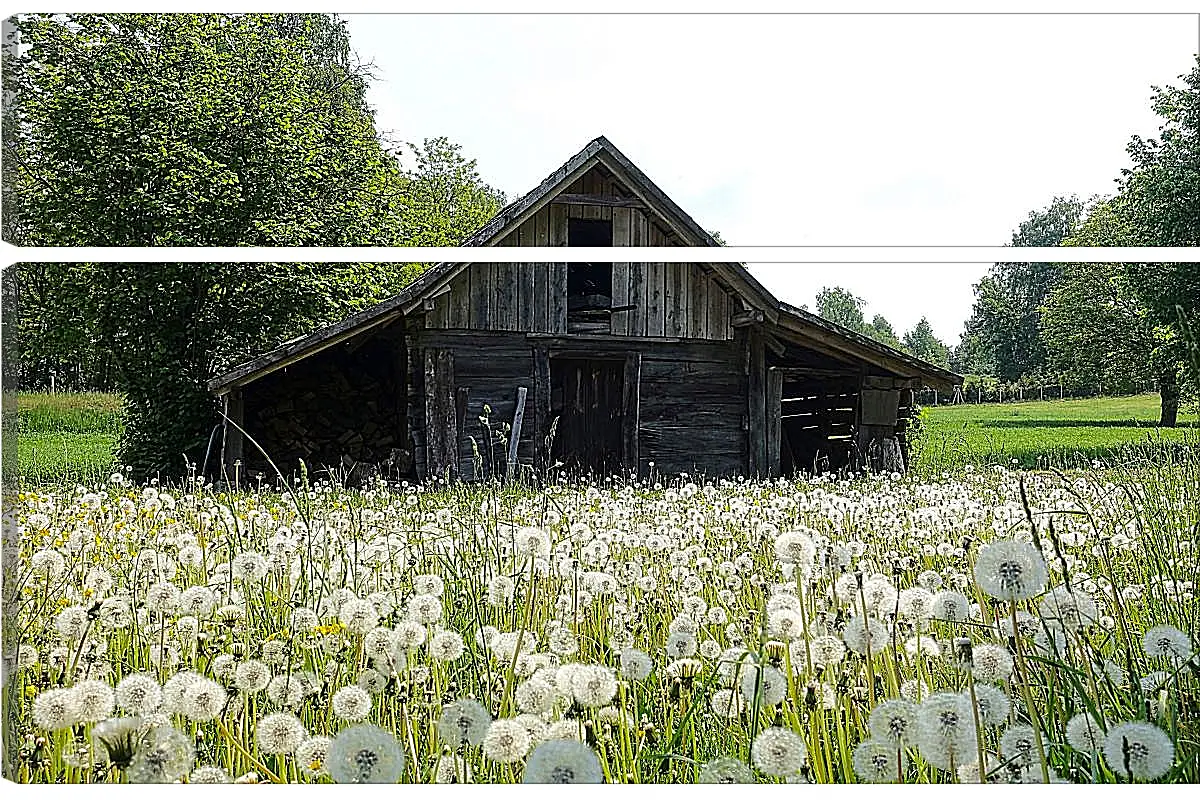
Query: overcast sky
813, 129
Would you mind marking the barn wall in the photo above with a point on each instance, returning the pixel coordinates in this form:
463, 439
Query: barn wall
674, 432
669, 300
684, 301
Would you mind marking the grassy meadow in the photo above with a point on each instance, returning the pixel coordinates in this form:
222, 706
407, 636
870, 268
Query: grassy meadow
67, 437
951, 626
1040, 434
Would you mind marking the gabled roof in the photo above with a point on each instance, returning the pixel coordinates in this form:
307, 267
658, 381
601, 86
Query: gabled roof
674, 218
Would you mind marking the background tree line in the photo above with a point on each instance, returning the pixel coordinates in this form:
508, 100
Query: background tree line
1117, 326
202, 129
842, 307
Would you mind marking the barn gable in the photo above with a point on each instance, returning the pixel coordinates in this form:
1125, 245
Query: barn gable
605, 366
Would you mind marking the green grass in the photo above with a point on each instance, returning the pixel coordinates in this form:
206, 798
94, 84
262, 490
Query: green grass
67, 437
1050, 433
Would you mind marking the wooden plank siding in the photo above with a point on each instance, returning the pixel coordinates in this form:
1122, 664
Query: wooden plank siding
679, 301
661, 423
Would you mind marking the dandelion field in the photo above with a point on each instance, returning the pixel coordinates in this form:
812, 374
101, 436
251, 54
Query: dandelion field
982, 625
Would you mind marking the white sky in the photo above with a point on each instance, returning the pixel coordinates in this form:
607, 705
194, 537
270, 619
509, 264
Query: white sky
792, 130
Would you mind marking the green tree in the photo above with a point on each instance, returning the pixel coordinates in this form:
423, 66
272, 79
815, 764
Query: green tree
841, 307
881, 330
1004, 325
195, 129
1160, 194
204, 129
924, 344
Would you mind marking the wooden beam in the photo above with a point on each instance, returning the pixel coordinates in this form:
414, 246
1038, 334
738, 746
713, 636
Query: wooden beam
749, 317
757, 401
541, 408
514, 437
597, 200
774, 421
441, 436
631, 411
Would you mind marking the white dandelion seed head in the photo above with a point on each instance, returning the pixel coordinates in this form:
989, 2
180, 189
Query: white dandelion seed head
863, 633
764, 685
1018, 745
991, 663
251, 676
279, 733
636, 665
55, 709
593, 685
946, 730
795, 547
878, 761
950, 606
893, 721
1167, 641
778, 752
1085, 734
139, 694
993, 704
727, 703
209, 774
1138, 749
164, 755
310, 756
1069, 608
535, 696
351, 704
446, 646
1010, 570
563, 761
364, 754
94, 700
464, 722
725, 769
506, 741
203, 700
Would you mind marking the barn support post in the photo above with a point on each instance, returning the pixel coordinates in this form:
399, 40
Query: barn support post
757, 399
441, 434
631, 408
233, 442
541, 409
774, 420
514, 436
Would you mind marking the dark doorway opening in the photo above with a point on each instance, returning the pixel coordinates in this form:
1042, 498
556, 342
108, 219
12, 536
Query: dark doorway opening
587, 397
589, 285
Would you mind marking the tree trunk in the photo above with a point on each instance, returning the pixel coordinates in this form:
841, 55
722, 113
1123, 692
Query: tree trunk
1168, 390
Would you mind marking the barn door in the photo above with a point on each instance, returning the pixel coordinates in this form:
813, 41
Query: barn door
588, 397
441, 417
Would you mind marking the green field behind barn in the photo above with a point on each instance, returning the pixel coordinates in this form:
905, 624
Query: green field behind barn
74, 437
1050, 433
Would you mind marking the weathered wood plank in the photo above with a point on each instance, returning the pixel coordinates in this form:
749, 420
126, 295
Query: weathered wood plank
676, 300
631, 410
612, 201
757, 404
620, 298
558, 298
698, 304
774, 421
523, 294
481, 296
504, 313
541, 406
539, 317
514, 438
441, 435
656, 311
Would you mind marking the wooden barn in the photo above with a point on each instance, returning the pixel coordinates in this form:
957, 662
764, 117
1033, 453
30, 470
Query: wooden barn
687, 367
